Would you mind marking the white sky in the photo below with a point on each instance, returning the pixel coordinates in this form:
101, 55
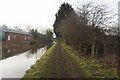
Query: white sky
38, 13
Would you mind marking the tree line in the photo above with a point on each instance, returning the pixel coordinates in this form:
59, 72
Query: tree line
40, 37
88, 29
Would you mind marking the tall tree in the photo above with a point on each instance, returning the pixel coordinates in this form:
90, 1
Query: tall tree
63, 12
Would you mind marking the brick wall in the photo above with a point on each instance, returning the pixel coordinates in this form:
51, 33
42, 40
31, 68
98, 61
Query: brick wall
16, 38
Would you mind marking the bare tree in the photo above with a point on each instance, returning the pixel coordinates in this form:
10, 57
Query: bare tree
86, 27
98, 17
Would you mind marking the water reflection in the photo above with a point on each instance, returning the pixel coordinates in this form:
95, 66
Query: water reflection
9, 52
0, 54
17, 60
49, 45
35, 49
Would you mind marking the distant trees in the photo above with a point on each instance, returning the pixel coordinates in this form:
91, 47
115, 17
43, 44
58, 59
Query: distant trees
35, 33
42, 38
49, 34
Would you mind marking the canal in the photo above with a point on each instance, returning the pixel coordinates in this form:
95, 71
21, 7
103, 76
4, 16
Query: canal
16, 61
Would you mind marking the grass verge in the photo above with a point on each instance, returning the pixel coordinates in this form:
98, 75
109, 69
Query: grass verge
55, 64
40, 67
91, 68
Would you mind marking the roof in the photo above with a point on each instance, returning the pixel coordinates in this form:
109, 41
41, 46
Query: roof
19, 31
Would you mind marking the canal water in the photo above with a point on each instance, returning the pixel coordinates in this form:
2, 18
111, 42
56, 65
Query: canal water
16, 61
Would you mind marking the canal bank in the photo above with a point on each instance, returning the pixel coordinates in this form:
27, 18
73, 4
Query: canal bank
18, 60
61, 61
55, 64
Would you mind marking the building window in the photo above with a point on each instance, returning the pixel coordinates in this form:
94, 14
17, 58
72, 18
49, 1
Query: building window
8, 38
25, 38
14, 36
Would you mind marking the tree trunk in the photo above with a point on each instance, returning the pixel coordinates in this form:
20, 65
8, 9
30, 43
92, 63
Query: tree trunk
93, 50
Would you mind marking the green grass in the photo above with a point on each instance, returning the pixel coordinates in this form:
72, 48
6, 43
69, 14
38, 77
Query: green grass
39, 69
91, 67
58, 59
55, 64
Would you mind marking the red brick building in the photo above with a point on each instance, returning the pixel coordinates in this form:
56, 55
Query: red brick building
15, 36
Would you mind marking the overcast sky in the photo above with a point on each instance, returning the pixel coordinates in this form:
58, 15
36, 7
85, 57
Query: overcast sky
38, 13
